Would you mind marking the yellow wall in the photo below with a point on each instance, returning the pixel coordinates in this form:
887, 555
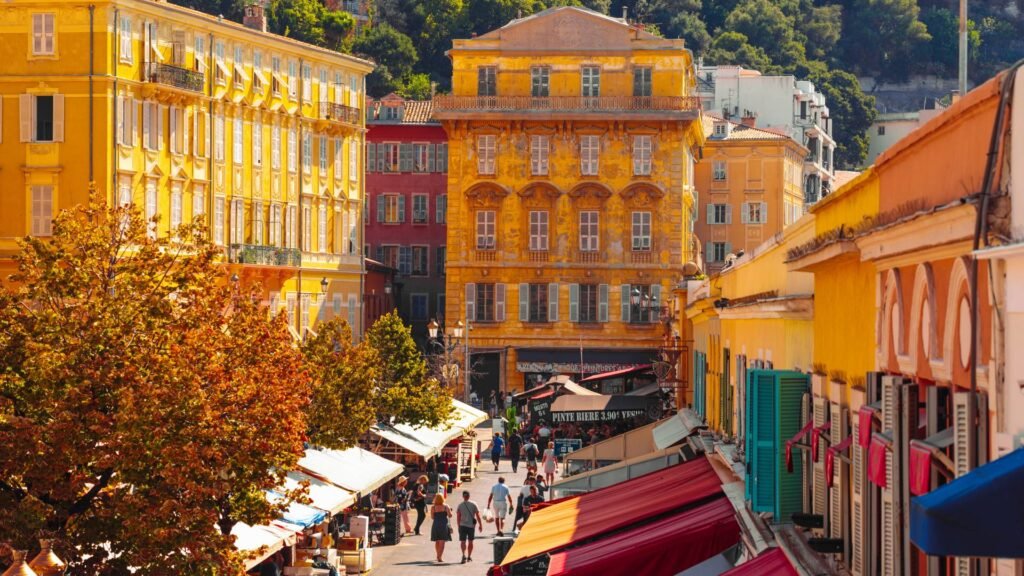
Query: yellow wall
615, 192
160, 82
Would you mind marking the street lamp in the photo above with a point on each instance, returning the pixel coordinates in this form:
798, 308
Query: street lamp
432, 329
457, 331
234, 279
635, 297
323, 285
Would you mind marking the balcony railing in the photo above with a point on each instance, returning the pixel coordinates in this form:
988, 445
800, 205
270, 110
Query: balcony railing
175, 76
485, 255
566, 104
264, 255
339, 113
539, 256
589, 256
641, 257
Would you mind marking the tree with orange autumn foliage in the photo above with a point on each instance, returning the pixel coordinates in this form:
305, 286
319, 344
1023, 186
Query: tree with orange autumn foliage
145, 405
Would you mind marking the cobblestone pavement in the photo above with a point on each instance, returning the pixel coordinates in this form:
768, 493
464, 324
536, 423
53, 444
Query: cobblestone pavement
414, 556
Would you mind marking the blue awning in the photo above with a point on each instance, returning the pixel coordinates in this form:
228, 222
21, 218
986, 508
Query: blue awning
980, 514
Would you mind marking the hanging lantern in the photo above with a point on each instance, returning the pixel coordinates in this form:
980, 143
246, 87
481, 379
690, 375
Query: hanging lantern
46, 563
20, 567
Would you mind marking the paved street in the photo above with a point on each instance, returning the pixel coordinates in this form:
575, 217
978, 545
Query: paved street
415, 555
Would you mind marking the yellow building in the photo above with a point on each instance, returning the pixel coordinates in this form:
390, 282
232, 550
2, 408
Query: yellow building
749, 182
189, 116
572, 138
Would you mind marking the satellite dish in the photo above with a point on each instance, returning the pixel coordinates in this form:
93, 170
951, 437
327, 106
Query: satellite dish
691, 269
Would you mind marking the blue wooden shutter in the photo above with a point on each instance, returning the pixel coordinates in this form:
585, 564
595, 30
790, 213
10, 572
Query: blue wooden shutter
624, 303
524, 302
574, 302
430, 157
764, 445
602, 303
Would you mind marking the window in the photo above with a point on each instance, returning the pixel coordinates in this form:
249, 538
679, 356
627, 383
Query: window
307, 152
239, 79
487, 81
641, 231
237, 141
485, 151
152, 126
388, 256
439, 259
419, 208
388, 156
199, 58
353, 232
803, 110
237, 220
198, 201
717, 251
275, 224
718, 171
218, 52
589, 231
590, 146
755, 212
539, 155
218, 220
293, 79
423, 157
540, 81
881, 130
539, 230
720, 129
591, 81
441, 211
125, 52
641, 303
151, 207
175, 220
323, 156
420, 261
42, 210
485, 229
323, 85
42, 117
587, 302
391, 113
126, 115
340, 147
218, 135
641, 155
485, 300
719, 214
405, 157
275, 75
257, 142
257, 222
419, 306
537, 310
442, 157
642, 82
307, 82
307, 226
290, 226
306, 303
275, 147
42, 34
391, 208
353, 161
321, 228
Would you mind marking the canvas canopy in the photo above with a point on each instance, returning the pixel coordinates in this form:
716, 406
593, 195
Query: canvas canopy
356, 470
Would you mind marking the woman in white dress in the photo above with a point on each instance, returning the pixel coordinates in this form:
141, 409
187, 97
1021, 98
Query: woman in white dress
549, 461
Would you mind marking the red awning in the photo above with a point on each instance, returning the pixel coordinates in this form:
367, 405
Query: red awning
532, 392
662, 548
578, 519
614, 373
772, 562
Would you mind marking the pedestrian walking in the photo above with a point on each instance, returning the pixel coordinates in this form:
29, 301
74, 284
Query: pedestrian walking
419, 501
515, 447
523, 493
441, 529
543, 433
529, 502
550, 462
468, 517
500, 500
497, 447
402, 498
531, 452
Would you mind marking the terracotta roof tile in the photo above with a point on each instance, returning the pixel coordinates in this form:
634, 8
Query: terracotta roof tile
738, 131
416, 111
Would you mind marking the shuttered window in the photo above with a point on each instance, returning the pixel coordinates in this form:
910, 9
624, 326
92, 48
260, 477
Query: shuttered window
42, 210
43, 34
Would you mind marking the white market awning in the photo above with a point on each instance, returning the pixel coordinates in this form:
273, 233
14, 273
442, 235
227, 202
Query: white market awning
274, 536
355, 470
675, 429
465, 416
322, 495
427, 442
404, 439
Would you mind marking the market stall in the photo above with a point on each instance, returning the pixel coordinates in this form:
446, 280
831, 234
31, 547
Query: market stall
602, 408
356, 470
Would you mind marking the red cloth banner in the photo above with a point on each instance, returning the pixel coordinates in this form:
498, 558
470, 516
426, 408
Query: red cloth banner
830, 456
815, 433
920, 468
789, 444
866, 415
876, 461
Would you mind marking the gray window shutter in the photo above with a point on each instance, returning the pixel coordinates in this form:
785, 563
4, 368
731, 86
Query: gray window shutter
470, 303
380, 254
711, 213
764, 212
404, 260
405, 157
602, 303
380, 208
709, 253
371, 157
382, 156
553, 302
401, 208
728, 213
744, 215
624, 303
574, 302
524, 302
499, 302
655, 299
430, 158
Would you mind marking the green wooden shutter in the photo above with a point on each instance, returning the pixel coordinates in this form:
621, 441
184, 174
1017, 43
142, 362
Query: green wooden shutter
574, 302
380, 208
401, 208
624, 303
791, 387
524, 302
382, 158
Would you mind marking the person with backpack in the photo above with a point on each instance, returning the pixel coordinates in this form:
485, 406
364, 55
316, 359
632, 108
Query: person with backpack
531, 452
515, 447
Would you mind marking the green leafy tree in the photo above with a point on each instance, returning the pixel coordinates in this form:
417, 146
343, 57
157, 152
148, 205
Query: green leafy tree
417, 87
733, 48
298, 19
344, 377
852, 113
394, 54
691, 29
406, 392
145, 407
822, 27
942, 52
230, 9
881, 37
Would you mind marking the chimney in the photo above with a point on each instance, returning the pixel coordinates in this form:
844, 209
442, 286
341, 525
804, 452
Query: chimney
625, 13
749, 120
255, 17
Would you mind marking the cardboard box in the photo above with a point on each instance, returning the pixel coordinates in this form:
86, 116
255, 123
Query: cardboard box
305, 571
349, 544
358, 561
303, 554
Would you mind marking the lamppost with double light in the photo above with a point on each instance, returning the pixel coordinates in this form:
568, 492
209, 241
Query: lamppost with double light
446, 346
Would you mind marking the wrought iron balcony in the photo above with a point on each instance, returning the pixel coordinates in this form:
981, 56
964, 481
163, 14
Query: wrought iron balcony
340, 113
175, 76
451, 106
263, 255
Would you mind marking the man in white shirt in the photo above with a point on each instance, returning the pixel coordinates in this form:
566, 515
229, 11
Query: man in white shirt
523, 493
502, 501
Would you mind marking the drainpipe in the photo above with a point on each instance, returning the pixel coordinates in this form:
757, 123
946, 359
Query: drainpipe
92, 52
298, 194
208, 138
114, 56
